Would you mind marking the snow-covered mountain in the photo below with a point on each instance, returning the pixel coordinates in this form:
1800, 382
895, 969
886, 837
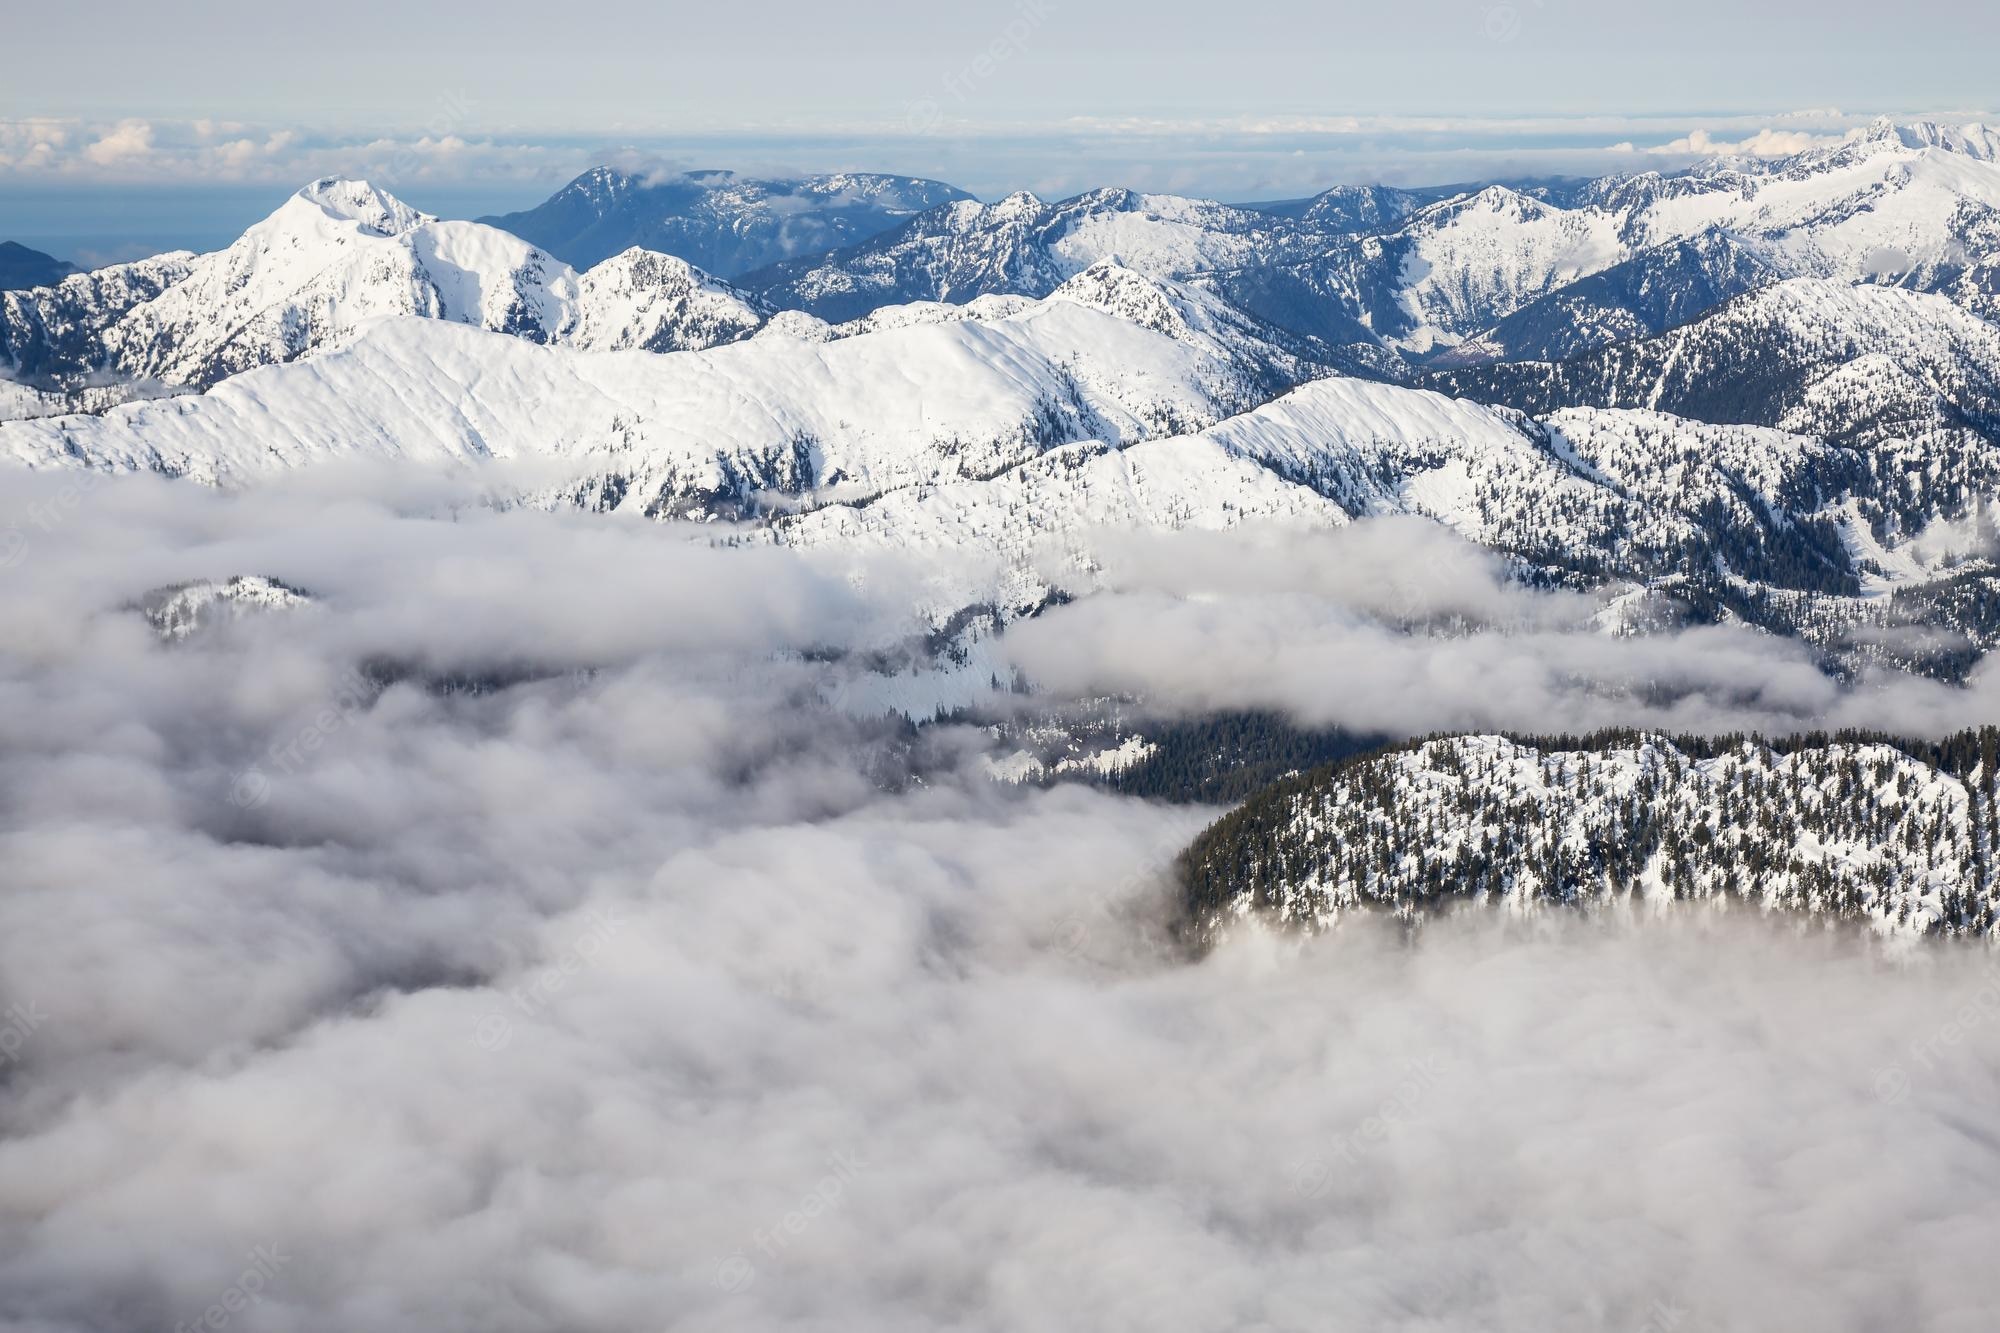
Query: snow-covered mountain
769, 422
658, 303
1896, 836
1598, 495
1497, 272
1653, 291
48, 332
718, 221
1022, 246
1908, 381
1502, 272
1790, 355
1365, 279
335, 256
1359, 208
184, 610
1005, 427
1775, 459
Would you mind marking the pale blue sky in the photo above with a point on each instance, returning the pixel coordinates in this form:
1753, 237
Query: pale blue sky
592, 66
206, 107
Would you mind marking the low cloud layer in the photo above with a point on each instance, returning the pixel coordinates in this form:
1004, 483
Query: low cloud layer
643, 994
1311, 624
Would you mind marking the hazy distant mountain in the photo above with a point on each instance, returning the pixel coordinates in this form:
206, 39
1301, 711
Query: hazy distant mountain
21, 267
716, 220
1022, 246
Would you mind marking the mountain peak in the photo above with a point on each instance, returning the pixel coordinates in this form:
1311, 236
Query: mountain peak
1019, 203
1151, 302
358, 201
1112, 198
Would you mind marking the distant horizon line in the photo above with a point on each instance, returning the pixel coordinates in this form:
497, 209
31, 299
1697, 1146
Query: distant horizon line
94, 219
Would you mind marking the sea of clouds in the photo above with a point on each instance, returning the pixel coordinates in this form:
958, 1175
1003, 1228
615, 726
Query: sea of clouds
642, 988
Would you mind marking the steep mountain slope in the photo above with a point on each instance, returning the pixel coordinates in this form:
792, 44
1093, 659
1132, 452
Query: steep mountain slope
1653, 291
765, 423
1590, 495
332, 256
657, 303
1462, 261
22, 268
717, 220
50, 332
1910, 381
1895, 835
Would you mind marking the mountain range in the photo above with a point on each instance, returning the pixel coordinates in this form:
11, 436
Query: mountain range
1388, 283
1764, 394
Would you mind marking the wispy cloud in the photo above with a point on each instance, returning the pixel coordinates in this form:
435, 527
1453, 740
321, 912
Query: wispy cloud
142, 152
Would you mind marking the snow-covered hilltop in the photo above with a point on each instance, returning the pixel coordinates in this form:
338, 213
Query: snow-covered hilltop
186, 609
1897, 837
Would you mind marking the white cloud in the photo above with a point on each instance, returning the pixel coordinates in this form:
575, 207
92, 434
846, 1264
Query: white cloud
139, 152
129, 142
1766, 142
646, 997
1304, 624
